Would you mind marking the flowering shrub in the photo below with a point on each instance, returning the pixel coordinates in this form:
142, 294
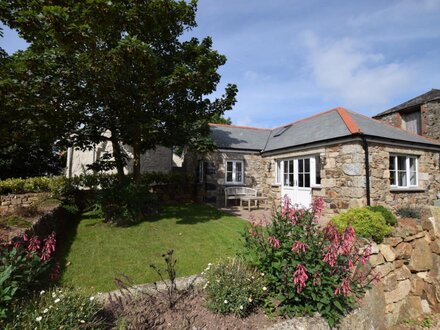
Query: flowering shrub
22, 263
57, 309
366, 222
308, 269
234, 287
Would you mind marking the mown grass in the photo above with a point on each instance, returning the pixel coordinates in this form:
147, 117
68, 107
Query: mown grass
198, 234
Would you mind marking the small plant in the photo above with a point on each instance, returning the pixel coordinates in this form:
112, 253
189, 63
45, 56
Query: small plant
22, 264
366, 223
308, 269
410, 212
170, 269
233, 287
14, 221
389, 217
57, 309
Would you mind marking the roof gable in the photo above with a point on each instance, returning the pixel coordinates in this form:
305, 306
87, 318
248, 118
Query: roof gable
432, 95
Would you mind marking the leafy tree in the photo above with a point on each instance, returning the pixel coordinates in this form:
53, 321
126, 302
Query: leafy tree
120, 71
217, 119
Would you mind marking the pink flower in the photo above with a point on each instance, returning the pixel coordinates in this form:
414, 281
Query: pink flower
300, 277
34, 244
331, 233
366, 255
299, 247
348, 239
344, 289
25, 238
331, 255
318, 206
274, 242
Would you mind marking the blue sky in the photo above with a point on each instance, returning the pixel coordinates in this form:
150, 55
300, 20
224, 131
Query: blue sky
291, 59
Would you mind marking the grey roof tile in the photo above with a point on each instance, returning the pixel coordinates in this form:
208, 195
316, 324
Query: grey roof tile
239, 137
329, 125
432, 95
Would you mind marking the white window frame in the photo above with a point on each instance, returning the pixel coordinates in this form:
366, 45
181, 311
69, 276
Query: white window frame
234, 171
279, 170
408, 184
201, 174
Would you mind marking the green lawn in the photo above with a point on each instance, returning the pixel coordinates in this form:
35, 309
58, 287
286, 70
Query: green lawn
198, 234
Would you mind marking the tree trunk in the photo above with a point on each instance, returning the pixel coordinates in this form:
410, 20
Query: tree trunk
136, 163
119, 160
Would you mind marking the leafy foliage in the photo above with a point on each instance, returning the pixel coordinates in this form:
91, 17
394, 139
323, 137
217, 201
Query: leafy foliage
125, 204
57, 309
366, 223
410, 212
115, 72
389, 217
22, 264
308, 269
234, 287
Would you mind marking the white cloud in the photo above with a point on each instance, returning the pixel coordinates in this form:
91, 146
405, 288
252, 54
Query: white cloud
348, 71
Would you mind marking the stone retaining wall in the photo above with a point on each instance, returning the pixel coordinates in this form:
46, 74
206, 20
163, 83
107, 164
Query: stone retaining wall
409, 266
12, 201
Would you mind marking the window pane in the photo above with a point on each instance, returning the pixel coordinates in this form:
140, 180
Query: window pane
300, 165
401, 163
290, 180
229, 166
229, 176
393, 178
392, 162
307, 165
290, 166
413, 178
318, 169
239, 172
278, 174
307, 180
401, 176
300, 180
238, 166
412, 164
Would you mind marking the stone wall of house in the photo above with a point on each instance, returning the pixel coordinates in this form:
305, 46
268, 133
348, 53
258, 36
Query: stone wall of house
212, 190
393, 119
342, 177
431, 120
11, 201
409, 266
429, 177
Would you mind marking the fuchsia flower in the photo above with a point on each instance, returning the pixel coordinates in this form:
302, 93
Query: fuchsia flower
344, 289
366, 255
318, 206
34, 244
300, 277
274, 242
299, 247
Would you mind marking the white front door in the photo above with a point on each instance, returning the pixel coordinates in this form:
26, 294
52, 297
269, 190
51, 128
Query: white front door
296, 180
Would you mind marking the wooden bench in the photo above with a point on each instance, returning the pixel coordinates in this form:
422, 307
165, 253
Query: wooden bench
256, 199
238, 192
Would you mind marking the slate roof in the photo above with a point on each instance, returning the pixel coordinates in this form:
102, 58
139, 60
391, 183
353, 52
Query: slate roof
432, 95
329, 125
239, 137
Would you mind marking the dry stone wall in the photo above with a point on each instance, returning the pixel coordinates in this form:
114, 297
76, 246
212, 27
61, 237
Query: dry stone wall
409, 266
11, 201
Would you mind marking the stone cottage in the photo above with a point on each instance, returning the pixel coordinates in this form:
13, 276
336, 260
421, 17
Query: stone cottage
158, 160
348, 159
420, 115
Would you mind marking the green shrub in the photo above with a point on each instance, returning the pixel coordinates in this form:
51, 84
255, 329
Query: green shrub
389, 217
410, 212
234, 287
366, 223
308, 269
57, 309
126, 204
14, 221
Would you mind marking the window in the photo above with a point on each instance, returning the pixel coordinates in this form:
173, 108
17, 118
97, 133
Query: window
234, 171
308, 172
403, 171
288, 167
412, 122
201, 172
